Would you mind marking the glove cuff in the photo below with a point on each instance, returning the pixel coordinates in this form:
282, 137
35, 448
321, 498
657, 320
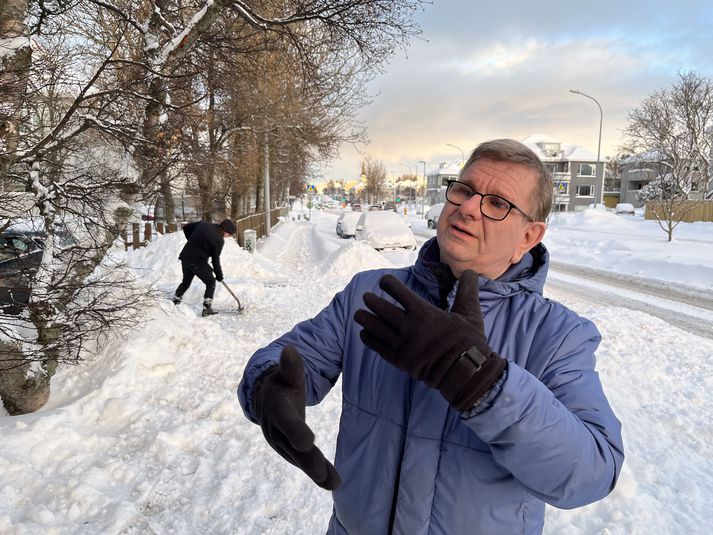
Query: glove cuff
471, 377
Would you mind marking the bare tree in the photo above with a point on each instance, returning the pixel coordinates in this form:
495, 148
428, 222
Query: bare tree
375, 177
672, 133
67, 159
352, 36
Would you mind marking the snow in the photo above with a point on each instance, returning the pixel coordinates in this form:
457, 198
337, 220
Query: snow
628, 244
148, 437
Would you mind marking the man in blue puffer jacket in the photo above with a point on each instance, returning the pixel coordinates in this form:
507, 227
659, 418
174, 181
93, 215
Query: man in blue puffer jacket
469, 400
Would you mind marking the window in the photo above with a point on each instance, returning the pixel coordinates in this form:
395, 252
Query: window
550, 149
585, 191
586, 169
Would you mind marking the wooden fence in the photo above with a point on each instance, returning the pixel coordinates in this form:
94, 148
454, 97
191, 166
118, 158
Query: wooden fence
691, 210
133, 236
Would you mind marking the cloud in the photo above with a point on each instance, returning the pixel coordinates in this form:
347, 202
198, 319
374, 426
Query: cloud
496, 58
488, 70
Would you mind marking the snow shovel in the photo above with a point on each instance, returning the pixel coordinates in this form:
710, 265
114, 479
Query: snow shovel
240, 307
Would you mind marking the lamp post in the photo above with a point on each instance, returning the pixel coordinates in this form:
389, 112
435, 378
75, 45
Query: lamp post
599, 144
423, 196
462, 154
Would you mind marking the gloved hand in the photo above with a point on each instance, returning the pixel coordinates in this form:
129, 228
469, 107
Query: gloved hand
279, 404
446, 350
219, 278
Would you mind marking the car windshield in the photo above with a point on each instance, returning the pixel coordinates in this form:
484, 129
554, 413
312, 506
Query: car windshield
12, 246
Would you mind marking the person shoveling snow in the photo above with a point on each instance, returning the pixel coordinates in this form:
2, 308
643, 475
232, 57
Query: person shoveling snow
205, 240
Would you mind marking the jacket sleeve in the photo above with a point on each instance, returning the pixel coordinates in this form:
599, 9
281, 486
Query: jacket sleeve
217, 268
319, 341
557, 435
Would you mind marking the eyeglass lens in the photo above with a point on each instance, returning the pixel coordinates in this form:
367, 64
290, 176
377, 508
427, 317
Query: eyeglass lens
492, 206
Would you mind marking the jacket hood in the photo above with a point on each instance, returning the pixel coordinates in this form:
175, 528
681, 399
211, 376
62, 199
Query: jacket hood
529, 274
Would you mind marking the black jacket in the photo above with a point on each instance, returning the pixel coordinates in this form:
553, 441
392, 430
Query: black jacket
205, 240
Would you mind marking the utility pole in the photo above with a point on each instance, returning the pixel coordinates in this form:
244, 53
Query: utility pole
266, 187
423, 196
599, 144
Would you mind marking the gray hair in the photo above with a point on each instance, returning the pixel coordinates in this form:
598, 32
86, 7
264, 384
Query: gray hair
510, 150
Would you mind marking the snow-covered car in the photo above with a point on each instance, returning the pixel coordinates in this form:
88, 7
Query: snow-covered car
433, 213
385, 230
346, 224
624, 208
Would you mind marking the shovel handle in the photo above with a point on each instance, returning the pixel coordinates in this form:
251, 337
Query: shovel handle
240, 307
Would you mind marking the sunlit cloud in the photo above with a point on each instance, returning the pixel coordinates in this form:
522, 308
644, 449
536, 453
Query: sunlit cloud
496, 58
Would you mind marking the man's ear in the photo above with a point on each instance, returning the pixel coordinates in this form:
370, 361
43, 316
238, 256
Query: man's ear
533, 235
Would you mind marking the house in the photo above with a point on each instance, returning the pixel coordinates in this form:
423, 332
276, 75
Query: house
574, 171
437, 181
640, 169
636, 172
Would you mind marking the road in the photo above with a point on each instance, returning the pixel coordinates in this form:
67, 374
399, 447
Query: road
685, 307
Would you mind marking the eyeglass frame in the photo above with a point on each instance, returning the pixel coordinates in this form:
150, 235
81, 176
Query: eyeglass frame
482, 197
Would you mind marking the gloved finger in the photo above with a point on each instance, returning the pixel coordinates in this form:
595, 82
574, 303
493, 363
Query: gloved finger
292, 368
466, 301
396, 289
378, 345
318, 468
375, 326
389, 312
294, 429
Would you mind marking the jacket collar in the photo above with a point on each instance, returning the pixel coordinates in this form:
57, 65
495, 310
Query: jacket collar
529, 274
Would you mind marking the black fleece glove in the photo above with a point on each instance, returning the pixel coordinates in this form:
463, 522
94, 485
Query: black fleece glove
446, 350
279, 404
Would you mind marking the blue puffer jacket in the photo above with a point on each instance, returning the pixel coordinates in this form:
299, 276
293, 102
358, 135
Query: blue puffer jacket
411, 464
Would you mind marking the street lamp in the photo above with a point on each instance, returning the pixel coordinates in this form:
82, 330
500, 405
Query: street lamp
599, 144
462, 154
423, 196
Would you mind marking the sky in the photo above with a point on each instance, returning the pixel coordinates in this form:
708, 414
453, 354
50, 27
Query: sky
147, 436
483, 70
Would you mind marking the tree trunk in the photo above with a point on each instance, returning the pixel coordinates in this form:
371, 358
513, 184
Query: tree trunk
14, 69
22, 389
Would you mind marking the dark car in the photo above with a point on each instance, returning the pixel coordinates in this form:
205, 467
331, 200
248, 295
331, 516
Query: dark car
21, 253
20, 256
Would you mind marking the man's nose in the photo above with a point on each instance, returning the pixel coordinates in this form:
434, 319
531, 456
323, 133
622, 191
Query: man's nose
471, 207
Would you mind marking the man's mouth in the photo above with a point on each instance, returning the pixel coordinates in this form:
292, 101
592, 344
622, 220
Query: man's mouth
461, 230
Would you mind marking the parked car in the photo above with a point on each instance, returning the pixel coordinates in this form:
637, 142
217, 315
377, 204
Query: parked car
346, 224
391, 205
624, 208
433, 213
21, 250
20, 256
385, 230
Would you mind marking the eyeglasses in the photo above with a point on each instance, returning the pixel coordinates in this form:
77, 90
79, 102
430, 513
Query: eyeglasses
491, 206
